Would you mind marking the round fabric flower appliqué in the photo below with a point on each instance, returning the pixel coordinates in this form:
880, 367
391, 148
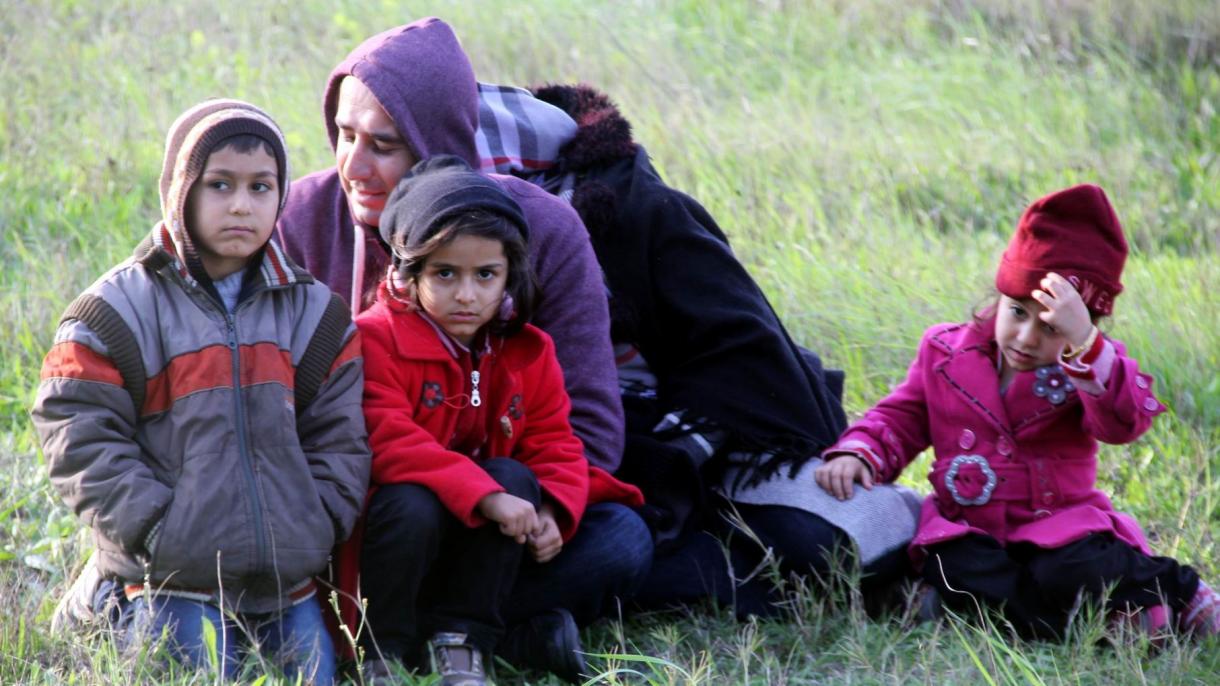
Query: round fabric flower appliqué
1053, 384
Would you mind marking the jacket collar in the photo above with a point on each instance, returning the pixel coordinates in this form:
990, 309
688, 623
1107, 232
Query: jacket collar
602, 136
416, 338
970, 370
159, 251
451, 344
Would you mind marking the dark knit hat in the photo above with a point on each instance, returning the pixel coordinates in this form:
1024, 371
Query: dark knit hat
436, 190
191, 139
1075, 233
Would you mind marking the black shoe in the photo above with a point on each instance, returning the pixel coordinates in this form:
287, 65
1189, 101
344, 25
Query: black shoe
550, 642
928, 605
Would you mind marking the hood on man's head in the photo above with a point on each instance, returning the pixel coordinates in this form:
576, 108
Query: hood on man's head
436, 190
188, 144
423, 80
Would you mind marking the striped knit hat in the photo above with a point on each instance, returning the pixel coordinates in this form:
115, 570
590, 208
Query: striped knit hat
190, 141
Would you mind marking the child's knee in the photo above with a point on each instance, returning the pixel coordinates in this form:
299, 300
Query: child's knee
515, 477
1087, 565
400, 513
179, 623
626, 542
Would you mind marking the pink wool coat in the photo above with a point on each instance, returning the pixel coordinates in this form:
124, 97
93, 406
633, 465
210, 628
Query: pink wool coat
1036, 443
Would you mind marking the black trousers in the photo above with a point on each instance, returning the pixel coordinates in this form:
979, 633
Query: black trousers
697, 567
1037, 587
423, 571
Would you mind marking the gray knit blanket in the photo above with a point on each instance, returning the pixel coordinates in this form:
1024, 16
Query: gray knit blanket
877, 520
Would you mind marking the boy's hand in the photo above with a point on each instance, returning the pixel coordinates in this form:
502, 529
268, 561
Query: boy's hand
545, 541
1064, 309
516, 516
837, 476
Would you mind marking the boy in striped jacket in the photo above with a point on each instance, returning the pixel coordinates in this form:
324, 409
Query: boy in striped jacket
200, 411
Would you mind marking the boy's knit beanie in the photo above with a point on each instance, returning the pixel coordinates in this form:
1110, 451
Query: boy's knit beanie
1075, 233
434, 191
191, 139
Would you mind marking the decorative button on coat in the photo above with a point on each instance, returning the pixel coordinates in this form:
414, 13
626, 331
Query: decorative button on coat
1053, 384
966, 440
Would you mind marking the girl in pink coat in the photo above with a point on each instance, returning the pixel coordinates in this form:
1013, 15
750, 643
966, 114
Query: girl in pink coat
1013, 404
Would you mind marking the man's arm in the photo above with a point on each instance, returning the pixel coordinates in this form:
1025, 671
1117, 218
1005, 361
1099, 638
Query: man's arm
572, 309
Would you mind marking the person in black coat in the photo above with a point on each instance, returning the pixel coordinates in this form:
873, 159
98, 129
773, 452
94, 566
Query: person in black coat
718, 397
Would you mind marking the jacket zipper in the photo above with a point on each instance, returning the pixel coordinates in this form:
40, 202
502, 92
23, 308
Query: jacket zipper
475, 400
243, 445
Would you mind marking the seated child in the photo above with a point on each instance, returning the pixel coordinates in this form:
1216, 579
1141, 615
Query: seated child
1013, 404
479, 483
200, 410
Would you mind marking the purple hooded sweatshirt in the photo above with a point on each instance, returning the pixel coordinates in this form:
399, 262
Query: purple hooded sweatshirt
424, 81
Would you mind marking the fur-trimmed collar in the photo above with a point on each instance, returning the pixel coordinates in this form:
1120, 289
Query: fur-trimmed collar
603, 136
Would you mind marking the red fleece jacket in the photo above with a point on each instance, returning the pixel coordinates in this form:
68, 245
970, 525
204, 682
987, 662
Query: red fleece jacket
415, 391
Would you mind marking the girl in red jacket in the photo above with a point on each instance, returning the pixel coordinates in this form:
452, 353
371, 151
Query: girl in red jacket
477, 518
1014, 404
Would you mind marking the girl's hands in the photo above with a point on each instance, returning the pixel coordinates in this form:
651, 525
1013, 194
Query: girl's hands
516, 516
1064, 309
837, 476
545, 541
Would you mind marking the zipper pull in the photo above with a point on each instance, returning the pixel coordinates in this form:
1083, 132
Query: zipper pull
475, 400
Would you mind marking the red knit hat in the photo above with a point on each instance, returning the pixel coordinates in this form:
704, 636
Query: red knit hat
1074, 233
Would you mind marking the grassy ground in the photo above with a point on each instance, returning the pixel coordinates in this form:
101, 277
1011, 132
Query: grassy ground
868, 159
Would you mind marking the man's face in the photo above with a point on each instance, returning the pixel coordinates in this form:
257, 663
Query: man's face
370, 153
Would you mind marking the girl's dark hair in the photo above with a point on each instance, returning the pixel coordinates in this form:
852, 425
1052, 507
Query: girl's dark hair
521, 284
983, 314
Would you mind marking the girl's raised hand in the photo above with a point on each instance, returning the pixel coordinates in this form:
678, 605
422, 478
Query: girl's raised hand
516, 516
836, 477
1065, 310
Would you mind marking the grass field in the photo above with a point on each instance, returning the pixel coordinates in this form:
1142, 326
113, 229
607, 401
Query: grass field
868, 160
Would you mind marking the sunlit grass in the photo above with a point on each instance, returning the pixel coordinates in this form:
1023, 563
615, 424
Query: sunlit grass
867, 159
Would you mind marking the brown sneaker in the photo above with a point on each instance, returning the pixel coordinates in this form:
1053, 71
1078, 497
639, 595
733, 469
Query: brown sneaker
456, 661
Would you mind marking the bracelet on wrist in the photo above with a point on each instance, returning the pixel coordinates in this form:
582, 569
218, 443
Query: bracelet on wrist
1074, 352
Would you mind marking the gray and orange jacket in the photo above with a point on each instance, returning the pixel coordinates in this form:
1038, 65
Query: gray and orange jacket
217, 480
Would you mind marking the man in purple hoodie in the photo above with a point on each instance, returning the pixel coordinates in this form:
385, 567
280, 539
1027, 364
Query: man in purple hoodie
405, 95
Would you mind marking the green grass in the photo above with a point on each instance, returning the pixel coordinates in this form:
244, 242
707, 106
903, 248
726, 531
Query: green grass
868, 160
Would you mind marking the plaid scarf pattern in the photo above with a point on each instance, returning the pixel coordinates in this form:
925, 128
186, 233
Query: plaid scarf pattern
521, 135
